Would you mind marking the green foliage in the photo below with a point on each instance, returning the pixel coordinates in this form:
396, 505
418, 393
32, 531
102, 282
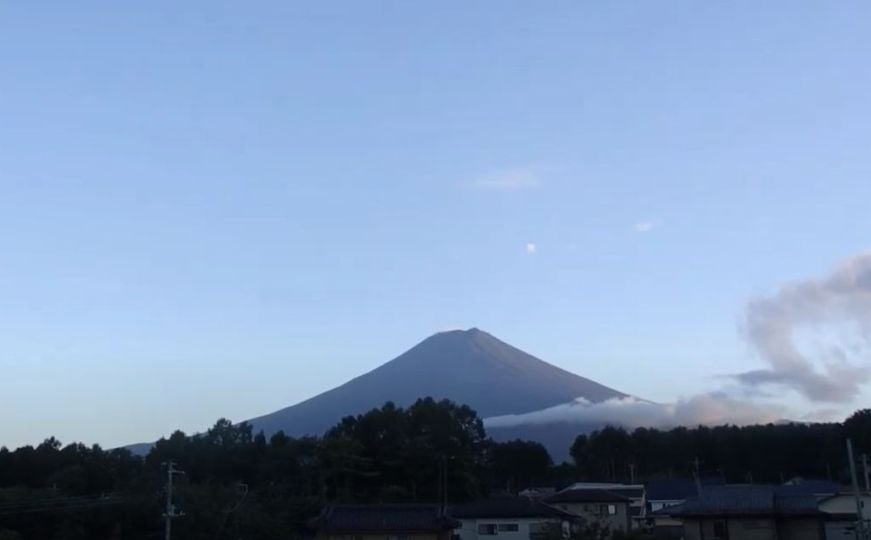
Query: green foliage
769, 453
389, 454
519, 464
239, 484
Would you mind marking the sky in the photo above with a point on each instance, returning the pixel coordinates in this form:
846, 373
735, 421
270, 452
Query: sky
218, 209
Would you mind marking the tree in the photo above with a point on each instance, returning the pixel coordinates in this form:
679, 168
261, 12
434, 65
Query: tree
518, 464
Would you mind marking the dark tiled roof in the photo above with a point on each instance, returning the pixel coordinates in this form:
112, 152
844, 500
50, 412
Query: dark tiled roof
820, 488
587, 496
384, 518
629, 493
507, 507
671, 489
743, 500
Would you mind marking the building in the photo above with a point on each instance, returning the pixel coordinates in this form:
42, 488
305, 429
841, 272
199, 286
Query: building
510, 518
839, 515
666, 493
384, 522
748, 512
597, 505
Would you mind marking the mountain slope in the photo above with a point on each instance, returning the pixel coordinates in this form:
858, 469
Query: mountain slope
470, 367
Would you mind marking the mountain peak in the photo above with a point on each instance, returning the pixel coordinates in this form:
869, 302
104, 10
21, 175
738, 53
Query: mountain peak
471, 367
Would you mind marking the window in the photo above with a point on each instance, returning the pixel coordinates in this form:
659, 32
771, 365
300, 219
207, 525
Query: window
509, 527
487, 529
721, 532
607, 509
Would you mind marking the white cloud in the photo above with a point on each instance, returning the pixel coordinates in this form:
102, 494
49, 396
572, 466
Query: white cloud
815, 335
646, 226
531, 248
714, 408
508, 180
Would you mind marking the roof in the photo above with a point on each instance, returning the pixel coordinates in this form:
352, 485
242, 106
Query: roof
587, 496
670, 489
819, 488
743, 500
508, 507
383, 518
538, 491
629, 492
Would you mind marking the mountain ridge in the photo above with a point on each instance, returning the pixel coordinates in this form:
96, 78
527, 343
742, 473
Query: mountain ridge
467, 366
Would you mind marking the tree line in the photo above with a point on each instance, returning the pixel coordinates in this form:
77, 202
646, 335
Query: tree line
770, 453
241, 484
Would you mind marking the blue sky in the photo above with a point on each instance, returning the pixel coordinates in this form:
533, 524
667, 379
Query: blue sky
218, 209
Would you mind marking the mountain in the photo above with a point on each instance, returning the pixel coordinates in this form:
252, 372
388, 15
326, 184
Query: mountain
470, 367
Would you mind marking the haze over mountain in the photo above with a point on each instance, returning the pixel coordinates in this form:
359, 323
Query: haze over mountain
470, 367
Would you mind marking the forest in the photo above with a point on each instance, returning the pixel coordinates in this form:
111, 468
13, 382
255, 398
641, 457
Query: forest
240, 484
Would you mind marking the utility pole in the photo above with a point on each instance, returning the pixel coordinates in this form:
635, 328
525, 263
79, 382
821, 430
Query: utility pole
697, 476
860, 519
444, 484
631, 473
170, 512
867, 477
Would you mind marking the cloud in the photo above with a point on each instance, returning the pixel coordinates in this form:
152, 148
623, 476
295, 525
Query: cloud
815, 335
508, 180
713, 408
824, 415
531, 248
646, 226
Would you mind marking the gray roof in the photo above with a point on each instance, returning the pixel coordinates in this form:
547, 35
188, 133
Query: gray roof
744, 500
819, 488
508, 507
676, 489
588, 495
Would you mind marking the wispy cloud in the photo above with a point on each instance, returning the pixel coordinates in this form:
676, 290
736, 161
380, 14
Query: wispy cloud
815, 335
646, 226
713, 408
508, 180
531, 248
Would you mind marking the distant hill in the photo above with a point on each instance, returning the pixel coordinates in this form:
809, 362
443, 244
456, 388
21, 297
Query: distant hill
470, 367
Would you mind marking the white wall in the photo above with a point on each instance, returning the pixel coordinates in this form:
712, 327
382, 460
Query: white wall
846, 504
469, 528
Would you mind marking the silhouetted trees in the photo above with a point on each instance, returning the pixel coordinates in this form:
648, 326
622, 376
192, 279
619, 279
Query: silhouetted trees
765, 453
241, 484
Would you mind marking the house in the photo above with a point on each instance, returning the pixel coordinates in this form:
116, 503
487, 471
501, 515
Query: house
596, 505
510, 518
748, 512
634, 492
384, 522
665, 493
839, 515
538, 492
